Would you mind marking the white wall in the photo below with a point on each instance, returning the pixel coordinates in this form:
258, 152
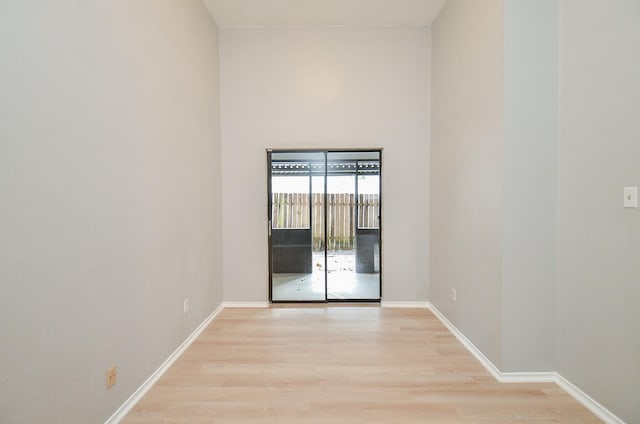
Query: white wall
568, 289
109, 198
467, 169
530, 228
494, 176
325, 88
598, 333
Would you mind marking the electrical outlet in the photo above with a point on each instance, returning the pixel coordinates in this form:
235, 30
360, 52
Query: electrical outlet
454, 295
185, 306
111, 377
631, 197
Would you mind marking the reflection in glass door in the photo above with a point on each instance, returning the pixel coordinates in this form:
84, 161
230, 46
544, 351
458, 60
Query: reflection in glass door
324, 232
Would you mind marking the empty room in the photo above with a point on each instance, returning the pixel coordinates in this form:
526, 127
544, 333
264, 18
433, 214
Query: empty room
305, 211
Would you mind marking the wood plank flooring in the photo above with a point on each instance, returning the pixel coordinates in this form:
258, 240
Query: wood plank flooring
341, 365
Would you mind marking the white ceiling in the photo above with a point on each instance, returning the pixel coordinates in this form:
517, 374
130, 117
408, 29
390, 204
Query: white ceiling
248, 13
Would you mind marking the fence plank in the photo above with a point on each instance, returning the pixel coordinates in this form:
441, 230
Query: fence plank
294, 210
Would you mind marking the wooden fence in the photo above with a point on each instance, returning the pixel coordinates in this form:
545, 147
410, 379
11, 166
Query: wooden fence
292, 210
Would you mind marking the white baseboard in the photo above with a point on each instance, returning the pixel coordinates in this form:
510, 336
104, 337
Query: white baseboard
144, 388
495, 372
404, 304
598, 410
527, 377
530, 377
246, 304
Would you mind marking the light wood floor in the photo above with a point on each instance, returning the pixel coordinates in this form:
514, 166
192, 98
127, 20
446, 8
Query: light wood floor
341, 365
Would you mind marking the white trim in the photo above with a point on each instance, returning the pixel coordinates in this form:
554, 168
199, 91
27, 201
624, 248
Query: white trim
600, 411
495, 372
530, 377
155, 376
527, 377
404, 304
246, 304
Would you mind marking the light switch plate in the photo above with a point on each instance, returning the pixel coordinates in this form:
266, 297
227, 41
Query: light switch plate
631, 197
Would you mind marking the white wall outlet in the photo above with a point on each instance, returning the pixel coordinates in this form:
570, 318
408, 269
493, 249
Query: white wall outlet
185, 306
631, 197
454, 295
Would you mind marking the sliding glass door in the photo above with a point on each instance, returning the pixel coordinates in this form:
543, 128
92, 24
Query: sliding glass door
324, 226
353, 231
296, 226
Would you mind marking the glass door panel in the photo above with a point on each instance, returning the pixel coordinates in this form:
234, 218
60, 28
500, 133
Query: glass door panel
353, 243
296, 228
